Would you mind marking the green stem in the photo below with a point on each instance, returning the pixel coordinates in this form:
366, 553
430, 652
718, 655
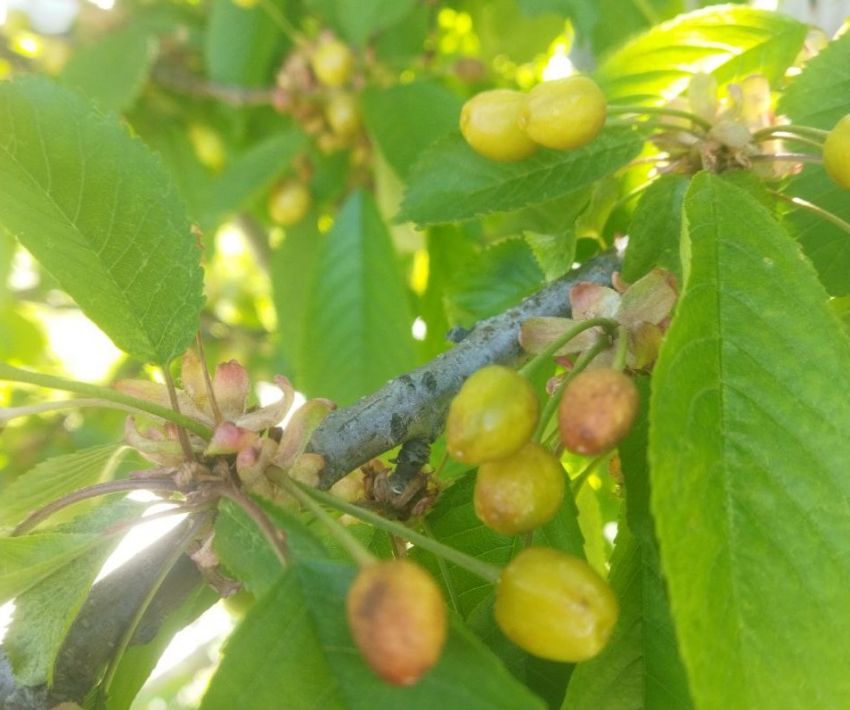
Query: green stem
15, 374
786, 157
483, 569
806, 131
617, 109
127, 636
814, 209
655, 126
552, 405
38, 516
278, 18
607, 324
622, 349
351, 544
631, 194
783, 136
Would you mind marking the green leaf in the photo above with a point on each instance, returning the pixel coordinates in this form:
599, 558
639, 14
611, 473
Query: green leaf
245, 552
406, 118
820, 94
44, 613
358, 20
747, 450
450, 248
451, 182
497, 279
128, 52
358, 314
293, 270
633, 17
252, 173
656, 228
242, 46
504, 29
295, 644
584, 14
138, 662
56, 477
640, 667
27, 560
454, 523
95, 207
728, 42
818, 97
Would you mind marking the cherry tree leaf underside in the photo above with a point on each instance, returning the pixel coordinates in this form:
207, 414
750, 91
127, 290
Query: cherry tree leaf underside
99, 212
729, 42
294, 648
749, 446
450, 182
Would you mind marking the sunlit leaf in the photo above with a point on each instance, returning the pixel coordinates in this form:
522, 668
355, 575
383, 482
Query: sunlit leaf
56, 477
97, 210
729, 42
44, 612
748, 445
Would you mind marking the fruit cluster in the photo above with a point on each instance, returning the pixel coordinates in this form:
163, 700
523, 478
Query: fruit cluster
317, 86
551, 604
508, 125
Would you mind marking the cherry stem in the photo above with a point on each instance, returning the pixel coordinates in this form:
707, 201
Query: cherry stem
350, 544
607, 324
814, 209
580, 364
618, 109
10, 373
283, 24
805, 131
182, 436
622, 349
785, 136
783, 157
158, 580
202, 356
482, 569
38, 516
631, 194
664, 128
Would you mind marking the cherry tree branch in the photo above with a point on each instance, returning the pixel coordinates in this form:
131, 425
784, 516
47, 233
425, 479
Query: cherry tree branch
411, 406
414, 405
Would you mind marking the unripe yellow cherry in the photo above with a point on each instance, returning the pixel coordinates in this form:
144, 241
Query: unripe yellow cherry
564, 113
555, 605
836, 153
520, 492
492, 416
332, 62
489, 122
343, 115
289, 202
